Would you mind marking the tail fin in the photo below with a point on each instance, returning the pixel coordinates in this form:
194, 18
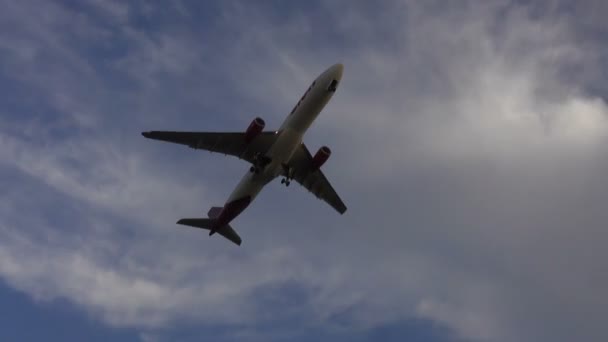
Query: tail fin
207, 223
214, 212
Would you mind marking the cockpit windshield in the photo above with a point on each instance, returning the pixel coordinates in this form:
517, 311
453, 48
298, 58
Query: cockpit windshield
333, 86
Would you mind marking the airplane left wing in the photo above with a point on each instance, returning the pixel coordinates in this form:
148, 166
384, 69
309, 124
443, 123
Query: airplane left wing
231, 143
314, 180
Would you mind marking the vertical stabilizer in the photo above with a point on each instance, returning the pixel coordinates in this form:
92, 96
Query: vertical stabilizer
214, 212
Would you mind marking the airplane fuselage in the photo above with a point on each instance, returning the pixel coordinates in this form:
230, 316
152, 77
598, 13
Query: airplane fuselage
289, 138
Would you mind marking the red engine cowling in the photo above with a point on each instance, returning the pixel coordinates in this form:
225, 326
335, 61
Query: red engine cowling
320, 157
255, 128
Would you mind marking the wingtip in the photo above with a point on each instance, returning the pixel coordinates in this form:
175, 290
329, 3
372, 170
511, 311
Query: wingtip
146, 134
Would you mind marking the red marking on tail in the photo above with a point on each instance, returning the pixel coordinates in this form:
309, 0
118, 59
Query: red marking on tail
226, 214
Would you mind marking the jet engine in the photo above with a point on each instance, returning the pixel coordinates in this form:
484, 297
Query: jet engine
320, 157
255, 128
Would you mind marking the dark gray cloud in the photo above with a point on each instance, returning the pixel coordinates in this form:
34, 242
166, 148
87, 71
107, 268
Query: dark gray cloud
468, 143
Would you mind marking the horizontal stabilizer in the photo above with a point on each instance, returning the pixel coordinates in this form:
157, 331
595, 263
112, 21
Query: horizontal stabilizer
205, 223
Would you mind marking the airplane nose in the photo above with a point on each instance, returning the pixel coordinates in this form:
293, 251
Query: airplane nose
337, 70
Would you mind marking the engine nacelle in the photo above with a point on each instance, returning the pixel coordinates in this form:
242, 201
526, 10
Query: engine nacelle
255, 128
320, 157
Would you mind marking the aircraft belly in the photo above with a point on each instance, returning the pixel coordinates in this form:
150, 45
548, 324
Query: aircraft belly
304, 117
283, 149
249, 186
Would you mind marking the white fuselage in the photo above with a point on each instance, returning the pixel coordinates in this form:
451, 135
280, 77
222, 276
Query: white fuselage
290, 134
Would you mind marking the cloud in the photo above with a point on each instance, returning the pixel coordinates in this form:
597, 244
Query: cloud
466, 144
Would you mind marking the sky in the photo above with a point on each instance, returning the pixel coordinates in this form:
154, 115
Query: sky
468, 143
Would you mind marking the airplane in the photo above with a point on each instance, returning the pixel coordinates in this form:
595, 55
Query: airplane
270, 153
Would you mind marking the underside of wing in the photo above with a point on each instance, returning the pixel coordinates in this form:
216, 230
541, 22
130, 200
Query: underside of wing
230, 143
313, 179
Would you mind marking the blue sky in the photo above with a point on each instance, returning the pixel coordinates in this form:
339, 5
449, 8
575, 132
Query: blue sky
468, 142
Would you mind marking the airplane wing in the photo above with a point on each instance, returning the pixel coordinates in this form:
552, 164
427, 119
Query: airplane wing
232, 143
314, 180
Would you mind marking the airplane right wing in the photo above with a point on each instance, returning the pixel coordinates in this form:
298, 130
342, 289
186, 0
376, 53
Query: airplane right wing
232, 143
314, 180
